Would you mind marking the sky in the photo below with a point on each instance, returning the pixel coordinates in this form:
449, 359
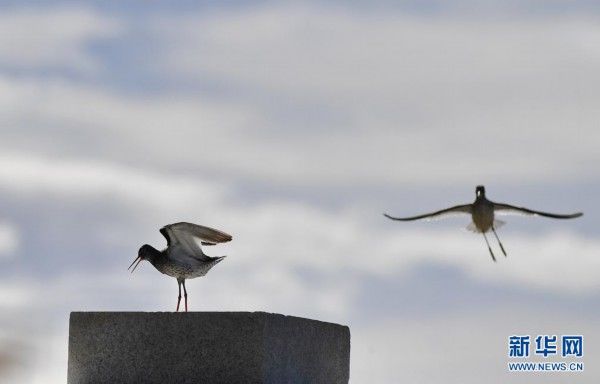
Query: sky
294, 126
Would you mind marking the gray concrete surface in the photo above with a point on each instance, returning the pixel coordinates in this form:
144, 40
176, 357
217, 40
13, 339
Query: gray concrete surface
205, 347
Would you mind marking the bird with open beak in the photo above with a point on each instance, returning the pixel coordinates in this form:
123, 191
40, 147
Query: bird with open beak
183, 258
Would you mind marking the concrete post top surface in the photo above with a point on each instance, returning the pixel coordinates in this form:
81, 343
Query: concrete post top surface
192, 315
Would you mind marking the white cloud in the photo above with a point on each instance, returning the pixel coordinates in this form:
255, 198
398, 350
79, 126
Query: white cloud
513, 101
13, 296
415, 99
227, 140
38, 175
288, 235
9, 240
36, 38
60, 118
462, 349
389, 58
297, 236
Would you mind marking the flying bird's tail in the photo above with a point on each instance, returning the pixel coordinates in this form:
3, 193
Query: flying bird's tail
473, 228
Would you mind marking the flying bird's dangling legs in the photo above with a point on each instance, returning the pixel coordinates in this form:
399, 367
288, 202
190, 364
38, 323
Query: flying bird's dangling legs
499, 242
178, 297
488, 245
185, 294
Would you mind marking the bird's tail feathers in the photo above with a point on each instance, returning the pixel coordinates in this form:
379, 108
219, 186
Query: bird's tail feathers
498, 223
473, 228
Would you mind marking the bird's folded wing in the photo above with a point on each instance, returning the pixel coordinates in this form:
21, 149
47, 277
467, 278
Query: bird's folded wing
507, 209
465, 208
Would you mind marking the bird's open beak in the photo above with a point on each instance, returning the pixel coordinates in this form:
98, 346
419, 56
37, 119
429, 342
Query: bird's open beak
139, 260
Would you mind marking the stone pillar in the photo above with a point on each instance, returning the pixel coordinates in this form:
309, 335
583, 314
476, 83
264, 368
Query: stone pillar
205, 347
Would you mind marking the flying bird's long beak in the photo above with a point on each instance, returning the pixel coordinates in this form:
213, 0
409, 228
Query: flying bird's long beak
139, 260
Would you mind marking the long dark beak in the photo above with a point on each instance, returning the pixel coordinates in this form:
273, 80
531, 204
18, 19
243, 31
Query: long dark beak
139, 260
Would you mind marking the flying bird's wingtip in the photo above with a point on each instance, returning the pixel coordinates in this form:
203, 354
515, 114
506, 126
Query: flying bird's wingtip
393, 218
574, 215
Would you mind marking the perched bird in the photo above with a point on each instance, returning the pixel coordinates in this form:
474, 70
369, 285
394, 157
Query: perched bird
183, 258
482, 212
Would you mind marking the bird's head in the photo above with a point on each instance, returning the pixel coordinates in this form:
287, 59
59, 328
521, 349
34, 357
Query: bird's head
146, 252
480, 191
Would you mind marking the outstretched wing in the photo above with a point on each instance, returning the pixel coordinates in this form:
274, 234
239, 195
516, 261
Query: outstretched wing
507, 209
186, 235
465, 208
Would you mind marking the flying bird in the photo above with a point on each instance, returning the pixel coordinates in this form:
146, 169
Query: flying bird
482, 212
183, 258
